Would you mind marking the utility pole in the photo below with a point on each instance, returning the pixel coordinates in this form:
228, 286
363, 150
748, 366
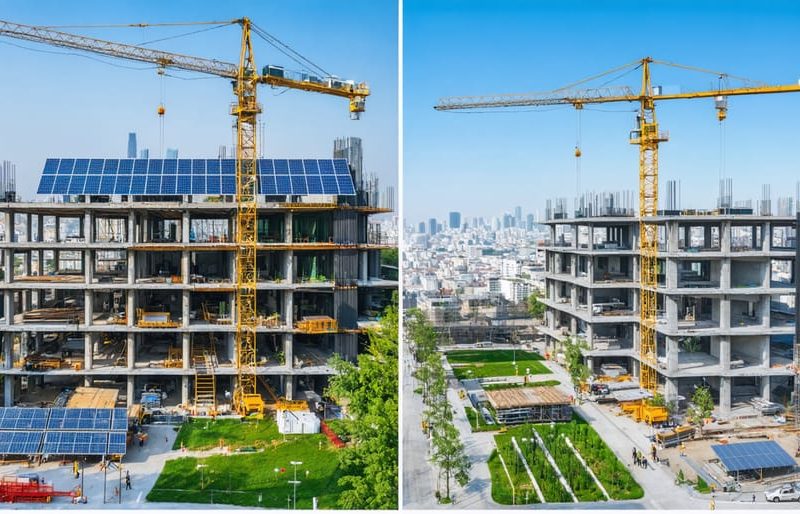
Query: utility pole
105, 474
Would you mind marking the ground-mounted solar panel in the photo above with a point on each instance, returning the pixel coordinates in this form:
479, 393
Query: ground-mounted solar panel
116, 444
167, 177
20, 443
753, 456
119, 419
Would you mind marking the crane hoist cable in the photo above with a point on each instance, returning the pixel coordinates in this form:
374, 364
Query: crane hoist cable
161, 111
578, 153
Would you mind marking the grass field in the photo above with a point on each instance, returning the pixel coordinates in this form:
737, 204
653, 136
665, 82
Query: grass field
494, 363
203, 434
613, 474
250, 480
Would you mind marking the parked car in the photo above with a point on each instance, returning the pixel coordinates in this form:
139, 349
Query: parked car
784, 493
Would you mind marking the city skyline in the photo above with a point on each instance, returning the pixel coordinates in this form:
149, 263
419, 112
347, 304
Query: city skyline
526, 156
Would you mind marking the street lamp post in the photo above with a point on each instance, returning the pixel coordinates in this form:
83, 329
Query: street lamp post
295, 482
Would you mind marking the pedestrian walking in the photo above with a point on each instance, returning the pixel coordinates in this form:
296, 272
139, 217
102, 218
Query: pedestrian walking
712, 505
683, 450
654, 452
634, 453
127, 482
754, 498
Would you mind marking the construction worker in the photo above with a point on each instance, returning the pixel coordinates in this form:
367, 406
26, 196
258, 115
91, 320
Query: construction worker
712, 505
127, 480
683, 450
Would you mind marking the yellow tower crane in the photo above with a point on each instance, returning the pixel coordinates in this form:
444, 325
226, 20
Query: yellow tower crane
647, 136
245, 109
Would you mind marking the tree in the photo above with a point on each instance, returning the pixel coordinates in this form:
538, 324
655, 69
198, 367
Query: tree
702, 405
535, 307
371, 389
448, 454
421, 335
573, 353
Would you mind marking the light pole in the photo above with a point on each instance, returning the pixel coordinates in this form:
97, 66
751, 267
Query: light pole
295, 482
202, 467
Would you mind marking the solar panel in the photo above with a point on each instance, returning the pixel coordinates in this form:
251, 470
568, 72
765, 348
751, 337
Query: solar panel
164, 177
116, 444
752, 456
20, 443
119, 419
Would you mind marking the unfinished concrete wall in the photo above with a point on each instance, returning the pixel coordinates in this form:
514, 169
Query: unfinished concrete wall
345, 227
345, 267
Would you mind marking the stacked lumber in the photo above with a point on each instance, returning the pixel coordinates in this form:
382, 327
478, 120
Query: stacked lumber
54, 314
51, 278
93, 398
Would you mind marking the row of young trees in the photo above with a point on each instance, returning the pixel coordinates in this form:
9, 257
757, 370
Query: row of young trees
447, 449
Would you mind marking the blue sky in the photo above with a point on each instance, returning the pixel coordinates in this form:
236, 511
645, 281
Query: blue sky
486, 164
55, 105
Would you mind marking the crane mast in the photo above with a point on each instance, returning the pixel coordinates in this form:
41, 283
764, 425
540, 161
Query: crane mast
647, 136
245, 109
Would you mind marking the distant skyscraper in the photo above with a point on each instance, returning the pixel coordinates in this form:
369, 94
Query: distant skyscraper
144, 153
350, 148
421, 227
530, 222
518, 216
455, 220
132, 145
172, 153
432, 226
223, 150
508, 221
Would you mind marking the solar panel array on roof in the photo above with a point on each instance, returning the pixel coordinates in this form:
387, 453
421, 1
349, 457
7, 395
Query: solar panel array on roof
752, 456
168, 177
63, 431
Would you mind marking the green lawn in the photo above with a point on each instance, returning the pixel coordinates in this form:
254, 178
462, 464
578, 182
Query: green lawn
204, 434
481, 425
494, 363
241, 479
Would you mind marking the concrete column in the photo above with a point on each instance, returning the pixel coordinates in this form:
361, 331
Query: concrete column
707, 236
589, 300
589, 364
287, 228
725, 312
185, 390
766, 313
672, 236
288, 350
185, 267
288, 387
288, 266
131, 267
573, 325
574, 262
58, 228
672, 273
8, 390
8, 298
130, 307
671, 390
87, 381
725, 237
40, 228
130, 237
131, 351
725, 352
363, 268
671, 304
573, 296
88, 225
8, 265
288, 308
88, 307
186, 350
765, 388
590, 268
725, 273
672, 355
131, 392
88, 351
8, 224
185, 308
8, 349
185, 226
725, 396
